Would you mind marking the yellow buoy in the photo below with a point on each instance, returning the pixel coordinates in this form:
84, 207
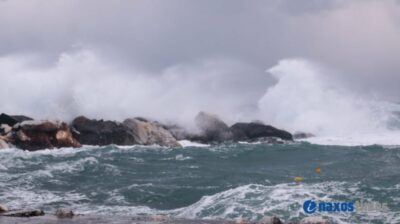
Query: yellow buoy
298, 179
318, 169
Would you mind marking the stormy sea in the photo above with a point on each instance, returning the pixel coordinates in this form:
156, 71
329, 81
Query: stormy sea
353, 156
227, 181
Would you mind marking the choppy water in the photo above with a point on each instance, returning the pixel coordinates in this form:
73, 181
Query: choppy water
225, 181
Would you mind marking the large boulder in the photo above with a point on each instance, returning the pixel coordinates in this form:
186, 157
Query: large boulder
100, 132
150, 133
213, 129
23, 213
11, 120
64, 213
5, 129
253, 131
36, 135
3, 143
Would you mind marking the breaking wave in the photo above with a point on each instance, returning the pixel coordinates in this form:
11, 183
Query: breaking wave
306, 98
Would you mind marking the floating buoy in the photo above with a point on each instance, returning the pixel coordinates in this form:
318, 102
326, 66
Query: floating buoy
298, 179
318, 169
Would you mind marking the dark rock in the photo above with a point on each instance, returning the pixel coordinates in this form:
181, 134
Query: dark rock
12, 120
21, 118
150, 133
5, 129
302, 135
213, 129
36, 135
254, 131
100, 132
3, 209
64, 213
270, 220
23, 213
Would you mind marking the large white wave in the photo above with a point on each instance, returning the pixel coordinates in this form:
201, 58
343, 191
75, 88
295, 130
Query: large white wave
305, 98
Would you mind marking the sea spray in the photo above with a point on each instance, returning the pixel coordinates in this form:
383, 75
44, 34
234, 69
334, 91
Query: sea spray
306, 98
86, 82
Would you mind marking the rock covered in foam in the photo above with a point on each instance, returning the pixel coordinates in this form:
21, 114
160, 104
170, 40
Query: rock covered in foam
35, 135
302, 135
213, 128
150, 133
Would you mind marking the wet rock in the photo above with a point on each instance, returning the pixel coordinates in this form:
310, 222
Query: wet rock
64, 213
3, 209
36, 135
23, 213
4, 144
270, 220
255, 131
150, 133
314, 220
302, 135
213, 129
5, 129
100, 132
11, 120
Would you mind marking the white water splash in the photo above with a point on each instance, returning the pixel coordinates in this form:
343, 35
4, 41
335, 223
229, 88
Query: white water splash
305, 98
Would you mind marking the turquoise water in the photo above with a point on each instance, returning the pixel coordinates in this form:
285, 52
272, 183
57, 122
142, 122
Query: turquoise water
224, 181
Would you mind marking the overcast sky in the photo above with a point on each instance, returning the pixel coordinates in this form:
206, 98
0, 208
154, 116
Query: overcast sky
359, 39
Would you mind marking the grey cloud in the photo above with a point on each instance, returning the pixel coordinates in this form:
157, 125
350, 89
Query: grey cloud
358, 38
297, 7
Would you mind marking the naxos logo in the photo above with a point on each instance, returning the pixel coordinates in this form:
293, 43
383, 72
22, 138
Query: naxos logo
311, 207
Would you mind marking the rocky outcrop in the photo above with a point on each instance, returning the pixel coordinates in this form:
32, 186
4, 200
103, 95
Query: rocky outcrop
150, 133
63, 213
302, 135
25, 133
270, 220
213, 129
23, 213
35, 135
11, 120
4, 144
3, 209
100, 132
255, 131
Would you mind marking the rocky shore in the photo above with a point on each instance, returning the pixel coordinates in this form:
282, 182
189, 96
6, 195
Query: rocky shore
26, 133
67, 216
